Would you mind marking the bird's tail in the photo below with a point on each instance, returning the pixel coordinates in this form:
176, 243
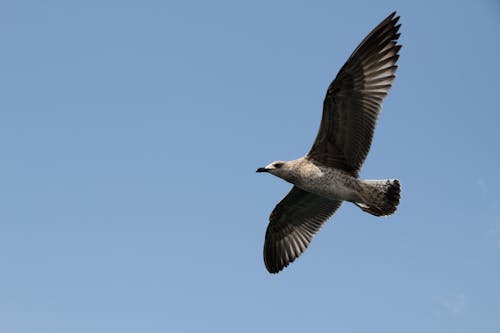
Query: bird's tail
381, 197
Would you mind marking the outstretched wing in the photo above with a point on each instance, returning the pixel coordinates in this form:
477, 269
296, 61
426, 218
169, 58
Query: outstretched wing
293, 223
353, 100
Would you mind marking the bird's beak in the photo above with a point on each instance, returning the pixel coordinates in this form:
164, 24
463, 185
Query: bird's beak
262, 170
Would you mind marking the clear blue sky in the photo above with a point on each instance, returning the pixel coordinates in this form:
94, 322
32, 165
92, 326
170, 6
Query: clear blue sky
130, 132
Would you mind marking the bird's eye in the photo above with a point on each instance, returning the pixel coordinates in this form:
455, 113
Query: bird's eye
278, 165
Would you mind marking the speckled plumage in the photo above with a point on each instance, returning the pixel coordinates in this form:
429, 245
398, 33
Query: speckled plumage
331, 183
328, 174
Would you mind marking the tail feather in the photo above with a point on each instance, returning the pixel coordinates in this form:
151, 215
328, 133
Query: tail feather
381, 197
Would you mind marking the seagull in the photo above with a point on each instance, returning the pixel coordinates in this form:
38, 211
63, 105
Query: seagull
329, 174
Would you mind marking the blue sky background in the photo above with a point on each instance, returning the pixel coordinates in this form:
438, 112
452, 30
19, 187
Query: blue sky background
130, 132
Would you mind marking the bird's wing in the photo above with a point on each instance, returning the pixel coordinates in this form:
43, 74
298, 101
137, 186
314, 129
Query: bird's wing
293, 223
353, 100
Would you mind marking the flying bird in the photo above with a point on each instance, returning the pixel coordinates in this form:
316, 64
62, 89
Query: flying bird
329, 174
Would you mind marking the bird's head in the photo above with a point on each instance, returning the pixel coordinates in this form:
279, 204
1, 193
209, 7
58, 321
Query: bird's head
279, 169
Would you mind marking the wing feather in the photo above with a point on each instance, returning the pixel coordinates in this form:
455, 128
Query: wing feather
353, 100
293, 223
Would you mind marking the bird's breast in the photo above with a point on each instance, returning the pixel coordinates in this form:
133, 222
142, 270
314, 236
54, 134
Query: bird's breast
330, 183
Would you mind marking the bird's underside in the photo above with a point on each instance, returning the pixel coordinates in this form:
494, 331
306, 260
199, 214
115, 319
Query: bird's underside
350, 111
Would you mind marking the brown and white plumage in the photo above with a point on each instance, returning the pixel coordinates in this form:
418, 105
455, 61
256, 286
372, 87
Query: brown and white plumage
328, 174
292, 225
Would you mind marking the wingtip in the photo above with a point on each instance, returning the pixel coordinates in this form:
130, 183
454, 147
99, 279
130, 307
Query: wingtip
274, 270
393, 18
274, 267
394, 15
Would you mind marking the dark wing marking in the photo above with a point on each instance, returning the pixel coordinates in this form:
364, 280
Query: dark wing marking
293, 223
353, 100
